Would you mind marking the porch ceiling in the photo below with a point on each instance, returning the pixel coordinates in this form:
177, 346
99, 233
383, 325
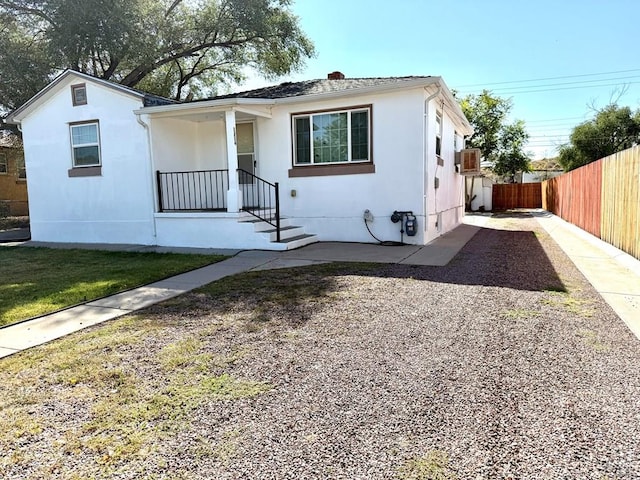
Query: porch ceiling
214, 114
210, 117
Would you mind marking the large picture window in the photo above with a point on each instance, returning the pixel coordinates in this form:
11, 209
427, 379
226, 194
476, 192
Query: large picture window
85, 143
332, 137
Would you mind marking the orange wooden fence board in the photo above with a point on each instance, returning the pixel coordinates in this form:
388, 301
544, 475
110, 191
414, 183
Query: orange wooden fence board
602, 198
516, 195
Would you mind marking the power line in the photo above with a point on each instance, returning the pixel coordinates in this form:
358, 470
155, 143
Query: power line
555, 119
568, 88
549, 137
593, 138
515, 89
518, 89
551, 126
549, 78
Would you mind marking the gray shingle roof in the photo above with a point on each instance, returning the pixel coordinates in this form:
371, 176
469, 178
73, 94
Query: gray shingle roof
150, 100
314, 87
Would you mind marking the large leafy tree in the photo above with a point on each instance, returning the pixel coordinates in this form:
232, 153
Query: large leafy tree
487, 114
501, 143
511, 157
173, 48
612, 129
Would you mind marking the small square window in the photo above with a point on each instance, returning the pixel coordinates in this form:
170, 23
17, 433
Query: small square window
79, 94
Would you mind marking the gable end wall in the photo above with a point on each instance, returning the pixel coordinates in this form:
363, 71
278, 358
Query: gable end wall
115, 207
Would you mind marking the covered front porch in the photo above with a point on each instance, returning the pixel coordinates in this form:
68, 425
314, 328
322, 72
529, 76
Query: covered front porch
207, 188
204, 157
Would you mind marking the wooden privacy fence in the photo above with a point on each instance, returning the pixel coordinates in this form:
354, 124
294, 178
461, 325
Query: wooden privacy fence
516, 195
602, 198
575, 197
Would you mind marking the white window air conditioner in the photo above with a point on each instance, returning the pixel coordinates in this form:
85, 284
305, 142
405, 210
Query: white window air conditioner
468, 161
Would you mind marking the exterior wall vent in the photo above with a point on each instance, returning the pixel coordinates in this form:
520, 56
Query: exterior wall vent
470, 161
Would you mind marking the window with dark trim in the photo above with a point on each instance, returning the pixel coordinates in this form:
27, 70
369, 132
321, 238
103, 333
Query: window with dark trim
438, 133
79, 94
85, 144
21, 169
332, 137
4, 165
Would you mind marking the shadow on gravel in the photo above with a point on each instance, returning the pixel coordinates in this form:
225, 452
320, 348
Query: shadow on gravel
513, 259
496, 258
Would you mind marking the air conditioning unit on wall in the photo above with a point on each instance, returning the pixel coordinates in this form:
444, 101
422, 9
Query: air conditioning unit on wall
468, 161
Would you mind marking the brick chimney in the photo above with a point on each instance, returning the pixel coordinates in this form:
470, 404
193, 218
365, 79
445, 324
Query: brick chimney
335, 76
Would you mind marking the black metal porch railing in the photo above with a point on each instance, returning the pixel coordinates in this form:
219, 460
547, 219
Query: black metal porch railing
201, 190
261, 199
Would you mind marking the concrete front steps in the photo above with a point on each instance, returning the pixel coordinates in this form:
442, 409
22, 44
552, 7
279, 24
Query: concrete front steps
291, 236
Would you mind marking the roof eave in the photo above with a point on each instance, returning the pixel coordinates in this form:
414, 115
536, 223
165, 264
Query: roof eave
16, 117
204, 105
231, 102
457, 110
416, 83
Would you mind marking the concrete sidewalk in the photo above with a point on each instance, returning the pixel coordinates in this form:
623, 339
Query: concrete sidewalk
15, 235
27, 334
614, 274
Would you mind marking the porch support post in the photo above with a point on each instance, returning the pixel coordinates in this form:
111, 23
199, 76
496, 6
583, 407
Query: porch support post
234, 199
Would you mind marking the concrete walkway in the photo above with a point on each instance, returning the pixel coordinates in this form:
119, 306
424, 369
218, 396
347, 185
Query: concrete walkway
27, 334
15, 235
614, 274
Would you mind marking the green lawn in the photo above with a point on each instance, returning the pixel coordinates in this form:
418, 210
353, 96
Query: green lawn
34, 281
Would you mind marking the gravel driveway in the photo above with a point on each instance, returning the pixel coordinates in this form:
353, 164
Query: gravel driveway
484, 368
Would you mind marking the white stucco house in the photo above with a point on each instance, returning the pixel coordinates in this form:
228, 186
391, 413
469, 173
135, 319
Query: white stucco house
110, 164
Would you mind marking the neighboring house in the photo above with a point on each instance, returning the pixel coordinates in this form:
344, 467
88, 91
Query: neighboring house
542, 170
13, 179
110, 164
482, 195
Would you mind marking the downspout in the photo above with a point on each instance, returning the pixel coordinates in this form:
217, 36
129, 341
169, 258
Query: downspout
425, 154
150, 174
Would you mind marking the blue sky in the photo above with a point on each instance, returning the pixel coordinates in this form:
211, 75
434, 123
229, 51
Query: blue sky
484, 43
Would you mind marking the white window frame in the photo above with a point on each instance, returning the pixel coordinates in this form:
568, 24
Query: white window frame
310, 116
92, 144
4, 160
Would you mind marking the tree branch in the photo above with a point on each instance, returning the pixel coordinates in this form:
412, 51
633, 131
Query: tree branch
33, 11
108, 73
138, 73
172, 7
